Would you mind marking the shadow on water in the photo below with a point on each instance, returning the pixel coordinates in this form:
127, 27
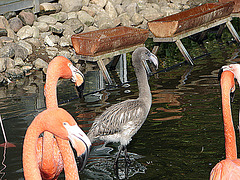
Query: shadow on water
182, 137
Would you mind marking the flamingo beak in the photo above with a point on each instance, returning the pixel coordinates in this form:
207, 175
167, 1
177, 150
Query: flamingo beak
80, 143
78, 79
153, 58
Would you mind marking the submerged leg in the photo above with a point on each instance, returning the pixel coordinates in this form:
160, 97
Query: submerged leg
127, 159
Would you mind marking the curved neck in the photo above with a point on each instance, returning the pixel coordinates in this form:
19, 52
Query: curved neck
30, 164
229, 132
142, 80
51, 87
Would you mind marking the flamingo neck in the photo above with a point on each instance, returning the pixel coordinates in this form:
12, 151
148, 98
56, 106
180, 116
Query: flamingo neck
30, 164
51, 87
142, 80
229, 132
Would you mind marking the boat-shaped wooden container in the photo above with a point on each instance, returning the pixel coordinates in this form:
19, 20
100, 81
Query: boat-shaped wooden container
100, 41
188, 19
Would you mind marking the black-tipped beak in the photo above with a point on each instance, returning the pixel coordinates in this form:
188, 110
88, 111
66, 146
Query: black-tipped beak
80, 89
220, 74
153, 58
232, 95
82, 159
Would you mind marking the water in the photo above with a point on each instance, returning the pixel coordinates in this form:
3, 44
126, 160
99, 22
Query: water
182, 137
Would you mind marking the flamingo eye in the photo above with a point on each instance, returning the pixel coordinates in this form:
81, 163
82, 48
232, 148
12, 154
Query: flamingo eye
65, 123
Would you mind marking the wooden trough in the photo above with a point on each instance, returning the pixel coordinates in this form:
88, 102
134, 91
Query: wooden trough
101, 41
191, 18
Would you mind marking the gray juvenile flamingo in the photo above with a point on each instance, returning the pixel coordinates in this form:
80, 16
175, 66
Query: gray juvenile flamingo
121, 121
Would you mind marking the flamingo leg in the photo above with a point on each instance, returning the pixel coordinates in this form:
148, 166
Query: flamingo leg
127, 159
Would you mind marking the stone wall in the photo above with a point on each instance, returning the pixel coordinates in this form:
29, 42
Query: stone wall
29, 41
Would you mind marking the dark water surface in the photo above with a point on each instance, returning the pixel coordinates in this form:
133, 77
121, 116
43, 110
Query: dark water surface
182, 137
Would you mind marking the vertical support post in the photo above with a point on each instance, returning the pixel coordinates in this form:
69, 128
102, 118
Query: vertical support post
184, 51
233, 31
36, 6
104, 71
124, 59
155, 49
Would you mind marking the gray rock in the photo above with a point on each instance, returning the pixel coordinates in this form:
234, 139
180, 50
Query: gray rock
57, 28
119, 9
103, 21
60, 17
125, 19
58, 7
18, 61
110, 9
40, 64
72, 15
3, 32
76, 25
14, 72
65, 53
10, 14
3, 64
11, 34
151, 14
65, 41
85, 18
47, 8
27, 17
26, 45
7, 50
26, 67
52, 51
137, 19
34, 41
131, 9
48, 41
68, 32
20, 51
15, 24
10, 63
47, 19
71, 5
42, 26
4, 40
92, 9
100, 3
3, 22
25, 32
54, 38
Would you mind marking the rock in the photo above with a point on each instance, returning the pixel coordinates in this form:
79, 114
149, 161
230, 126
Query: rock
65, 41
85, 2
10, 14
92, 9
3, 22
34, 41
42, 26
100, 3
131, 9
125, 20
11, 34
15, 24
4, 40
58, 7
26, 45
72, 15
18, 61
14, 72
2, 64
103, 21
151, 14
9, 63
60, 17
27, 17
44, 34
65, 53
68, 32
47, 8
25, 32
20, 51
52, 51
109, 8
137, 19
85, 18
119, 9
3, 32
57, 28
71, 5
54, 38
26, 67
48, 41
36, 32
40, 64
76, 25
7, 50
90, 28
47, 19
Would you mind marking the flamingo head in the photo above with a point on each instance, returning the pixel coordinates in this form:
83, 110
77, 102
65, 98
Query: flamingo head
63, 125
226, 75
147, 55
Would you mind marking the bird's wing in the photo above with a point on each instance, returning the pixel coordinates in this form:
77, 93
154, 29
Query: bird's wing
113, 119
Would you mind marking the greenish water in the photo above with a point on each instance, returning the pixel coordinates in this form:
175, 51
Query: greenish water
182, 137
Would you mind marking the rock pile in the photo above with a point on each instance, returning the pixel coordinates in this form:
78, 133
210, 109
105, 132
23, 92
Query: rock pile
28, 41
